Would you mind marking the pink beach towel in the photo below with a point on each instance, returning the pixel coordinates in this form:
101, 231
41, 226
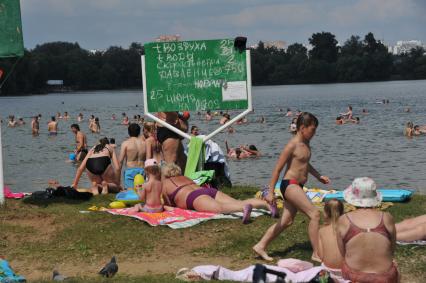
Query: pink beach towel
8, 194
165, 217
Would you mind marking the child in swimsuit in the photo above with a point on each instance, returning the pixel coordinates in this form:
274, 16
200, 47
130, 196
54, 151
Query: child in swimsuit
296, 155
150, 192
328, 249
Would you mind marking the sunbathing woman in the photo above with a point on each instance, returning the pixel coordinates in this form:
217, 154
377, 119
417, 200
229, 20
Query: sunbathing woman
99, 168
180, 191
366, 236
412, 229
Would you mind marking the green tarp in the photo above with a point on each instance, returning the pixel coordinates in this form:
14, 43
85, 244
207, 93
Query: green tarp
11, 42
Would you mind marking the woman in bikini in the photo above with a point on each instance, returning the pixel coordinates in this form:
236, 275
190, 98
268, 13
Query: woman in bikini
366, 237
99, 168
180, 191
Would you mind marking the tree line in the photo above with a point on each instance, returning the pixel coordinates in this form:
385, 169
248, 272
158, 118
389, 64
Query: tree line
358, 60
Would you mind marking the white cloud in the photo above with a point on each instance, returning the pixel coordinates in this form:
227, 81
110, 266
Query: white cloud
372, 11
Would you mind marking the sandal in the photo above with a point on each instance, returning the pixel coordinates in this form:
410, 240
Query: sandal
246, 213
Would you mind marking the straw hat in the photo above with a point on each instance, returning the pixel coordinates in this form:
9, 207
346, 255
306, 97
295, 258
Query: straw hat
363, 193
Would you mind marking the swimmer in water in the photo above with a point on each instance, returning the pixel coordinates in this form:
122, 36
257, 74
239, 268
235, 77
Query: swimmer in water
66, 116
58, 115
289, 113
52, 127
241, 152
21, 122
208, 115
339, 120
348, 114
409, 129
125, 121
364, 111
225, 118
80, 117
113, 117
194, 131
417, 131
80, 142
293, 128
35, 126
12, 123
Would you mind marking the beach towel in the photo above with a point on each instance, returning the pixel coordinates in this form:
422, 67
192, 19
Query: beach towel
129, 176
202, 177
180, 218
217, 272
195, 156
7, 274
8, 194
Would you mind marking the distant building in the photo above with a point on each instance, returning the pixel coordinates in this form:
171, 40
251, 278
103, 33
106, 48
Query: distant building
279, 44
55, 82
94, 51
168, 37
403, 47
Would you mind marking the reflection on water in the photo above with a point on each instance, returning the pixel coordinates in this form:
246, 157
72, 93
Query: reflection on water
375, 148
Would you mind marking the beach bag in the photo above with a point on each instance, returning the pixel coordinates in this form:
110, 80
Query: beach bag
71, 193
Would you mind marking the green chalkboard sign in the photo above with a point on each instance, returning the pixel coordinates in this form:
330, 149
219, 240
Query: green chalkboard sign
195, 75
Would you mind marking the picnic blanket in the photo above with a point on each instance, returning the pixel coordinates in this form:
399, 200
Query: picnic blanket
180, 218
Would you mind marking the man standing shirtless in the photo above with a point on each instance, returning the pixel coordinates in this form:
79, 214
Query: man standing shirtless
52, 127
80, 142
134, 151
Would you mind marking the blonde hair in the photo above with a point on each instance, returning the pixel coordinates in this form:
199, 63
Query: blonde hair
171, 170
149, 126
333, 209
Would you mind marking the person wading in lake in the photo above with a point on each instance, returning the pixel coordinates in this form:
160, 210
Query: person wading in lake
52, 127
133, 150
80, 142
35, 126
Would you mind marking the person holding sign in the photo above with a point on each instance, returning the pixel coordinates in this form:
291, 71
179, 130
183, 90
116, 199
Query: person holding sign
171, 145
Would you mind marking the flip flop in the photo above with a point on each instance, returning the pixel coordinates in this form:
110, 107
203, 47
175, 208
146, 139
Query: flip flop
247, 213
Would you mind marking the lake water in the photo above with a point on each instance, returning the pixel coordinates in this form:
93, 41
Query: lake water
376, 147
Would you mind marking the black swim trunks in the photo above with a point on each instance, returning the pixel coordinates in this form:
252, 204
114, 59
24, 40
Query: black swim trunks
285, 183
164, 133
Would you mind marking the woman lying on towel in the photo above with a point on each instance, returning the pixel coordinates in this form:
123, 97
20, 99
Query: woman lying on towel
180, 191
412, 229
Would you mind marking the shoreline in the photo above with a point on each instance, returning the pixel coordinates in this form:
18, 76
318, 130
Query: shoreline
140, 88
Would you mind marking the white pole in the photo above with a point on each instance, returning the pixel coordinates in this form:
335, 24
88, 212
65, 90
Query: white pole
1, 172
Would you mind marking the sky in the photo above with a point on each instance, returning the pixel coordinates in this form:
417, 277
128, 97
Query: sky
98, 24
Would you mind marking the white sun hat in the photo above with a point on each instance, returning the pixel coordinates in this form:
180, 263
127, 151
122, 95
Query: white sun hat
363, 193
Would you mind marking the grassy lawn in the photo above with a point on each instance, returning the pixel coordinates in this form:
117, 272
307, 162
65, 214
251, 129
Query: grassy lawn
39, 238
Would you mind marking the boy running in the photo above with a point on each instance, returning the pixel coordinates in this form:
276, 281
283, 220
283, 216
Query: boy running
296, 155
